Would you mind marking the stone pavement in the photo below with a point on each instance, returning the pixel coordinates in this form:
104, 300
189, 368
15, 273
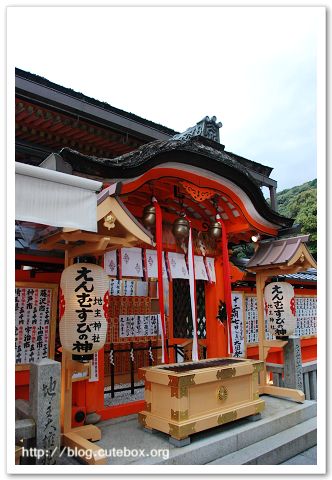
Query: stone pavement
280, 415
309, 457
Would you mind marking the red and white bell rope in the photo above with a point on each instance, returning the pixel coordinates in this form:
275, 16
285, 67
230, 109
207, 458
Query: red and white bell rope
192, 285
159, 241
227, 282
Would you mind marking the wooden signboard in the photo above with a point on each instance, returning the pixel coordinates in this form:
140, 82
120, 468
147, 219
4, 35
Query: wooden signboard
239, 325
306, 313
35, 322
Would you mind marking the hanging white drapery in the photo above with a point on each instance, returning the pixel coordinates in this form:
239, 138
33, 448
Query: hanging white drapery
111, 263
132, 262
152, 264
211, 270
200, 270
177, 265
53, 198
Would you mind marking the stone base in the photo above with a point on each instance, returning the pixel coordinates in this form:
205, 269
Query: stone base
150, 430
92, 418
179, 443
254, 418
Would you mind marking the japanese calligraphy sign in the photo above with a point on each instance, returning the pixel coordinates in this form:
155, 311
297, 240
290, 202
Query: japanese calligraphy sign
94, 374
238, 325
84, 303
45, 393
280, 308
251, 319
129, 288
35, 317
138, 325
306, 313
115, 287
306, 318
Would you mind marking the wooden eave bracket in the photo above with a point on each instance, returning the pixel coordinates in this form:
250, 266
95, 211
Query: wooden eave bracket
134, 232
302, 258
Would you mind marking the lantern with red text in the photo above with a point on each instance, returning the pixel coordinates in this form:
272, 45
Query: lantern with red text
280, 308
84, 302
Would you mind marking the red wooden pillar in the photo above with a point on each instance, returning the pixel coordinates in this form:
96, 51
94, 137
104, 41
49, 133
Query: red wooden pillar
91, 394
215, 332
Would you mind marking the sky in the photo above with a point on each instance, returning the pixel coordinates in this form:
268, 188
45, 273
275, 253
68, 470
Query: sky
254, 68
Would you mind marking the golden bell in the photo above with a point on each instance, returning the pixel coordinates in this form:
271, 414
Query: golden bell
180, 228
215, 230
149, 216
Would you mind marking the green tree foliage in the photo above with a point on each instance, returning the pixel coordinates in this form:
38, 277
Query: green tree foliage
300, 203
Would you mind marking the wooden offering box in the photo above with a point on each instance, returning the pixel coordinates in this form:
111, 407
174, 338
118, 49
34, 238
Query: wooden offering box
184, 398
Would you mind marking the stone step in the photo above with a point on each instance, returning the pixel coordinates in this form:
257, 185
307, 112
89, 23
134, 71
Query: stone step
279, 416
276, 448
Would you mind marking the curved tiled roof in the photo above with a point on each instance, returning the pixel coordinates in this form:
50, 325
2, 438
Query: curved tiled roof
276, 252
80, 96
195, 151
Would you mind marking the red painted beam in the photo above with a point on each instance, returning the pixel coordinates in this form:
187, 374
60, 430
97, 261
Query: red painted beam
121, 410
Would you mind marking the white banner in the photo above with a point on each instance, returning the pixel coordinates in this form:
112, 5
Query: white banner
200, 270
110, 263
152, 264
131, 262
210, 265
177, 264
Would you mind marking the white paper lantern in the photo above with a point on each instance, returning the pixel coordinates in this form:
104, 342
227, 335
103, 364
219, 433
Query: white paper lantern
84, 303
280, 308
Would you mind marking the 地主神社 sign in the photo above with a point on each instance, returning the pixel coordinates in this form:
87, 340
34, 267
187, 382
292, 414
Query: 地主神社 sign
280, 308
84, 305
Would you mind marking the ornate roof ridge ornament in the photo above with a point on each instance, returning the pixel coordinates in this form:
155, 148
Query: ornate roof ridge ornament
207, 127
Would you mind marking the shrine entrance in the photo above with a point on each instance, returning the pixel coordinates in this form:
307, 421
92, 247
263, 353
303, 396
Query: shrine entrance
188, 180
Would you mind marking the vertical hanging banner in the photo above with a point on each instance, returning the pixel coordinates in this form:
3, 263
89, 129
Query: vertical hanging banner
192, 285
210, 270
159, 241
238, 325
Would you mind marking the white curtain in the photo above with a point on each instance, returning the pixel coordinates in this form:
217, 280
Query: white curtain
54, 198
